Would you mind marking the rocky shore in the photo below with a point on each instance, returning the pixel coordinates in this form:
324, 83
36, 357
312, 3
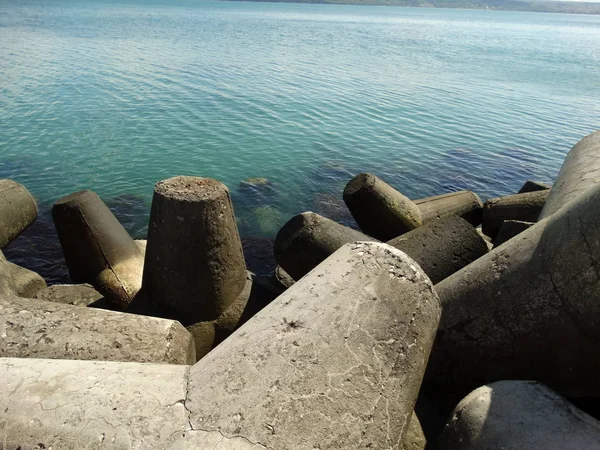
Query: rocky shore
444, 322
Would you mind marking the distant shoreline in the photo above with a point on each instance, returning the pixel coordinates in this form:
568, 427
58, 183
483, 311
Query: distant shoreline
559, 7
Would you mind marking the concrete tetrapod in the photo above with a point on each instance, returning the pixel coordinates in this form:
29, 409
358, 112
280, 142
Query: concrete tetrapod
70, 294
517, 415
18, 210
465, 204
442, 247
510, 229
527, 310
308, 239
335, 362
380, 210
40, 329
19, 281
194, 260
70, 405
532, 186
97, 248
579, 172
524, 207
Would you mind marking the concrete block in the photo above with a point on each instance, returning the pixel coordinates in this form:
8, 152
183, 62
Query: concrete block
527, 310
18, 210
524, 207
194, 259
442, 247
97, 248
19, 281
465, 204
303, 373
70, 294
308, 239
39, 329
517, 415
532, 186
415, 438
334, 362
208, 334
580, 171
71, 405
509, 229
380, 210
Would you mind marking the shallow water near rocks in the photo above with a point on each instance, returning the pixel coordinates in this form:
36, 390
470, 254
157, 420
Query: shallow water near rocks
114, 97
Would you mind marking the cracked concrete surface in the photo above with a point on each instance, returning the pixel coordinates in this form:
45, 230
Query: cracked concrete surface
335, 362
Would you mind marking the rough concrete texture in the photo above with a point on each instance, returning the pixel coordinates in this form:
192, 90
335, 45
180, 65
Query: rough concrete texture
283, 278
308, 239
579, 172
532, 186
70, 294
141, 244
39, 329
442, 247
528, 309
487, 239
194, 259
18, 210
209, 334
518, 415
19, 281
509, 229
71, 405
336, 361
415, 438
524, 207
465, 204
380, 210
97, 248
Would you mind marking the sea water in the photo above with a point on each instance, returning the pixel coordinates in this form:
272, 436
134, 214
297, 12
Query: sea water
115, 96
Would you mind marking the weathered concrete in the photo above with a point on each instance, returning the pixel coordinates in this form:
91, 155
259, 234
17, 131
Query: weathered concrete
380, 210
415, 438
335, 362
97, 248
70, 405
465, 204
486, 238
39, 329
509, 229
70, 294
580, 171
18, 210
283, 278
208, 334
303, 373
528, 309
524, 207
194, 260
517, 415
532, 186
19, 281
442, 247
308, 239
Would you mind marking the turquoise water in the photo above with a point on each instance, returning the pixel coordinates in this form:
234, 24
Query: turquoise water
115, 97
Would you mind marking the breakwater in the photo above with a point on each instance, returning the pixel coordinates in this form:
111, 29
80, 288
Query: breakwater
359, 338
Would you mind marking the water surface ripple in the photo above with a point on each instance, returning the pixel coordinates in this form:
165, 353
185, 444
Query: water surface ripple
115, 97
